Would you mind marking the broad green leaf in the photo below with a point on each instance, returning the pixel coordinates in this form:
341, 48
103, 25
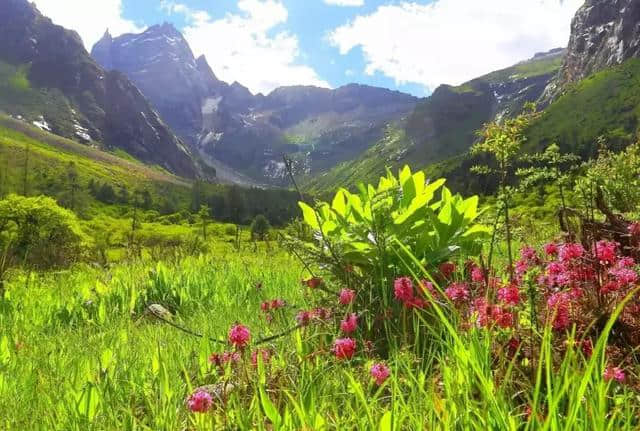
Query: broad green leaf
385, 421
338, 204
309, 216
269, 409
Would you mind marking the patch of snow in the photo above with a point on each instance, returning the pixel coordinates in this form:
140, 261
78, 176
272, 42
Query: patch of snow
42, 124
150, 125
82, 133
210, 105
275, 169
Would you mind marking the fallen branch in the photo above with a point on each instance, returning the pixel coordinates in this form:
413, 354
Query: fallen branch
216, 340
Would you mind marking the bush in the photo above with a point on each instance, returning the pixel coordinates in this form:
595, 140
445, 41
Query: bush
38, 232
364, 239
260, 227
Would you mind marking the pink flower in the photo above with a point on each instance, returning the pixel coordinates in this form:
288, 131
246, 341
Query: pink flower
344, 348
625, 276
265, 306
380, 372
347, 296
529, 254
482, 309
447, 269
477, 275
457, 292
427, 286
509, 295
221, 359
559, 304
551, 249
634, 229
277, 303
625, 262
313, 282
587, 347
403, 289
605, 252
239, 336
611, 286
304, 317
416, 303
614, 373
502, 318
200, 402
570, 252
321, 313
522, 266
349, 324
264, 354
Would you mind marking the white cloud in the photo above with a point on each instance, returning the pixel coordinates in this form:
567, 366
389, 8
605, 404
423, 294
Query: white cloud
89, 18
345, 2
248, 47
453, 41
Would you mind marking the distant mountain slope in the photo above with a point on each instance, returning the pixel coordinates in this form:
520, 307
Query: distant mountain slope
444, 125
249, 133
48, 78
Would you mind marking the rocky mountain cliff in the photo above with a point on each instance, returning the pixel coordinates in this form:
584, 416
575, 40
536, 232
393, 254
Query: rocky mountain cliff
91, 105
604, 33
230, 126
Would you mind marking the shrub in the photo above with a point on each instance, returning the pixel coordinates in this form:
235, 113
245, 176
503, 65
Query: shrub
260, 227
362, 240
38, 232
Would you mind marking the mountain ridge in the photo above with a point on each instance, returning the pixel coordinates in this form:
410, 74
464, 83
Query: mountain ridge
92, 105
316, 126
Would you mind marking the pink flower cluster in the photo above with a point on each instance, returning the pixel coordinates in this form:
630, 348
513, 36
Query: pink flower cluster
346, 296
403, 291
239, 336
380, 373
200, 402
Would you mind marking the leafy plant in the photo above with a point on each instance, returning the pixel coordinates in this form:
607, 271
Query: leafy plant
502, 141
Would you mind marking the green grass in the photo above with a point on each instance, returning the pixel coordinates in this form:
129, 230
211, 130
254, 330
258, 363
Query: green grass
77, 353
605, 104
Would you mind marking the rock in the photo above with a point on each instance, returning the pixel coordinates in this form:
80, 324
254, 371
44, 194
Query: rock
158, 310
604, 33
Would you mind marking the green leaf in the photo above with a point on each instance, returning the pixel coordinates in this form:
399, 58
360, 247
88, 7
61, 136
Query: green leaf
269, 409
309, 216
339, 205
385, 421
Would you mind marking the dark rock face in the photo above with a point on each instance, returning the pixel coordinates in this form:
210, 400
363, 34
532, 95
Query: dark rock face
113, 110
247, 132
161, 64
604, 33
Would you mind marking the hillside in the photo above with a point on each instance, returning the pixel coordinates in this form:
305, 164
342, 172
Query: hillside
444, 125
100, 182
48, 78
605, 104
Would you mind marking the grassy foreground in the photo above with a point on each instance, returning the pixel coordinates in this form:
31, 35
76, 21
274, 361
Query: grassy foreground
77, 352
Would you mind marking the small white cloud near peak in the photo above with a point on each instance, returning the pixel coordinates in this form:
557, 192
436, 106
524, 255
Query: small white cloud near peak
345, 2
248, 47
88, 18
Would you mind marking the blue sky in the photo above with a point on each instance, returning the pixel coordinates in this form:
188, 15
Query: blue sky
408, 45
310, 20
